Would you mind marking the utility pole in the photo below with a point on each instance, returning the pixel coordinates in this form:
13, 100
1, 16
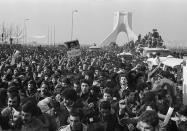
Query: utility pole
72, 22
48, 35
51, 35
54, 35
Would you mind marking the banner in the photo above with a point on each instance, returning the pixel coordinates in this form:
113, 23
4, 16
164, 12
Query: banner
16, 55
168, 116
73, 48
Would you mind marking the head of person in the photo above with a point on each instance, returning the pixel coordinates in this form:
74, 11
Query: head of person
182, 126
75, 119
15, 72
97, 72
54, 79
28, 112
13, 97
123, 79
88, 75
23, 63
13, 100
31, 85
69, 97
65, 82
47, 77
95, 91
148, 121
105, 109
183, 110
107, 94
140, 78
115, 69
84, 66
80, 68
27, 69
54, 68
181, 114
72, 45
9, 71
130, 95
46, 70
76, 86
131, 75
44, 89
58, 73
85, 86
16, 82
38, 68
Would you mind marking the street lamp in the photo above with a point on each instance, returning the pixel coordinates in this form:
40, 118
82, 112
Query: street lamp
25, 31
74, 11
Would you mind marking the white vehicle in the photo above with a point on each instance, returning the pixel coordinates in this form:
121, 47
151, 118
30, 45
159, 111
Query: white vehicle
148, 51
167, 61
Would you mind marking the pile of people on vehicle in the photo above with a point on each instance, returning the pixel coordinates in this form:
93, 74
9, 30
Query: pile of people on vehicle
151, 40
44, 90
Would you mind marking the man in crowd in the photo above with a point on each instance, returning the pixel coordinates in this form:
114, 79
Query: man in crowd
148, 121
30, 120
75, 119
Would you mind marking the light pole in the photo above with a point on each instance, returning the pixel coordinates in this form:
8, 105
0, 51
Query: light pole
25, 30
54, 35
74, 11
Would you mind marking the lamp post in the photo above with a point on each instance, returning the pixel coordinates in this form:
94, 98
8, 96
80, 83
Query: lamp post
25, 31
74, 11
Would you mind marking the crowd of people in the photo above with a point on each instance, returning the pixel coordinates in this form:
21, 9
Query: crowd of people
152, 40
44, 90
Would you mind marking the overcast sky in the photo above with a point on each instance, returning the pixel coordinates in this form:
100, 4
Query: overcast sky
94, 19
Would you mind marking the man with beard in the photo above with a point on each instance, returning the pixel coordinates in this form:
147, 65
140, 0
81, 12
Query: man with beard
148, 121
69, 102
108, 96
85, 88
13, 106
107, 119
75, 119
30, 120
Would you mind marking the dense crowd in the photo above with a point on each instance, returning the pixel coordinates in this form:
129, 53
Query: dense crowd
44, 90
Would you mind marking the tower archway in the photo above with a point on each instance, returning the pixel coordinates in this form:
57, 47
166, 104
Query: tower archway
122, 23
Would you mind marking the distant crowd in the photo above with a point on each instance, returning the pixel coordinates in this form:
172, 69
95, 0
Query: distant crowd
42, 89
